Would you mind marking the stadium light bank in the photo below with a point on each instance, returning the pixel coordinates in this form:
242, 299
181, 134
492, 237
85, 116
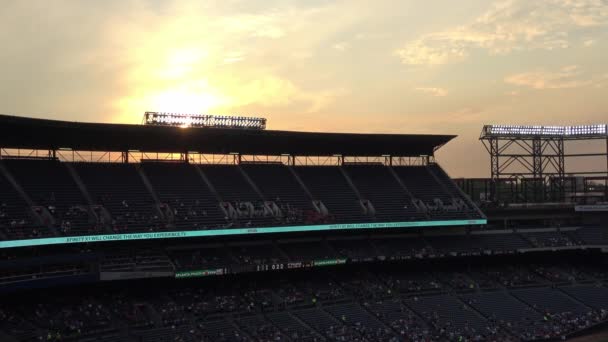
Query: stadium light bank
566, 132
203, 120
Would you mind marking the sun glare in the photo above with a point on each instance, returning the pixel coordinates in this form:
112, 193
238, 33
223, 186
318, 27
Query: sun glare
184, 101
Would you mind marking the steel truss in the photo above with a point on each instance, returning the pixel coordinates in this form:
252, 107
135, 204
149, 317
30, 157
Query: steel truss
536, 164
133, 156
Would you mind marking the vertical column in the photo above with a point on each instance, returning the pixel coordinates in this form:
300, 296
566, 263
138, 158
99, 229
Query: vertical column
537, 169
494, 168
561, 169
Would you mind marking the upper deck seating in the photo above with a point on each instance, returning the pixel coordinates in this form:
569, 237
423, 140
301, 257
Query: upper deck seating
327, 184
423, 186
182, 188
377, 184
16, 221
49, 184
277, 184
120, 189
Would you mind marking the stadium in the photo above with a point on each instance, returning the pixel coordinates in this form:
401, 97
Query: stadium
203, 228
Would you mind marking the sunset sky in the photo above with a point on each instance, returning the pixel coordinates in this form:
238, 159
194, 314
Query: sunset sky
404, 66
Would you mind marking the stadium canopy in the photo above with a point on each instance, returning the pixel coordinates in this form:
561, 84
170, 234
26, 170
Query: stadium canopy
42, 134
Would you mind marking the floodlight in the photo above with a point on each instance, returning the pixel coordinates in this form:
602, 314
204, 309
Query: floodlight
193, 120
540, 131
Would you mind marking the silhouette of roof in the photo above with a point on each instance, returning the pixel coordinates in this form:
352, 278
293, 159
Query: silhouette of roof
32, 133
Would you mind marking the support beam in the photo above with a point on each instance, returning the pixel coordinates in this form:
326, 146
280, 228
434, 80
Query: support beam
535, 157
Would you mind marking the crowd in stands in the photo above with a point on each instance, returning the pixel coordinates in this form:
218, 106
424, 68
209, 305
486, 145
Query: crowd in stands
146, 197
392, 304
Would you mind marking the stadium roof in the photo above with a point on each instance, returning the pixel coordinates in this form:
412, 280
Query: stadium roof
30, 133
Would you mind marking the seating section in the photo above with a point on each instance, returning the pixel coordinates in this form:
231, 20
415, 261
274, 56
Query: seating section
190, 200
400, 318
328, 326
312, 250
257, 254
445, 312
499, 242
591, 235
360, 320
377, 184
201, 258
230, 184
549, 239
232, 187
278, 184
122, 201
327, 184
49, 184
455, 244
424, 186
591, 295
291, 328
317, 304
354, 249
451, 188
505, 308
402, 248
549, 300
140, 261
15, 220
120, 189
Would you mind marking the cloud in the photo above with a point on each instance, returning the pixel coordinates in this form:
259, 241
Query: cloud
589, 42
508, 26
234, 57
566, 77
341, 46
433, 91
255, 25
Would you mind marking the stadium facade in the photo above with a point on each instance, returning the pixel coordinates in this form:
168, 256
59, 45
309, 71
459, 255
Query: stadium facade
216, 234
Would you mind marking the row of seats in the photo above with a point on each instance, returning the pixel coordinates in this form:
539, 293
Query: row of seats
358, 249
161, 196
261, 255
339, 305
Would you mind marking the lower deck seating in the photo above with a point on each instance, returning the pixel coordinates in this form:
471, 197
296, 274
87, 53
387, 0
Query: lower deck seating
291, 328
343, 304
591, 295
510, 312
549, 300
445, 312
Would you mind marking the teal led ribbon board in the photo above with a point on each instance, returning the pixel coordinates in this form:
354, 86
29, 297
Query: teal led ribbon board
234, 231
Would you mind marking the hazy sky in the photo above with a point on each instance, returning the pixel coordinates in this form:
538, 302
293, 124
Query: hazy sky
404, 66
